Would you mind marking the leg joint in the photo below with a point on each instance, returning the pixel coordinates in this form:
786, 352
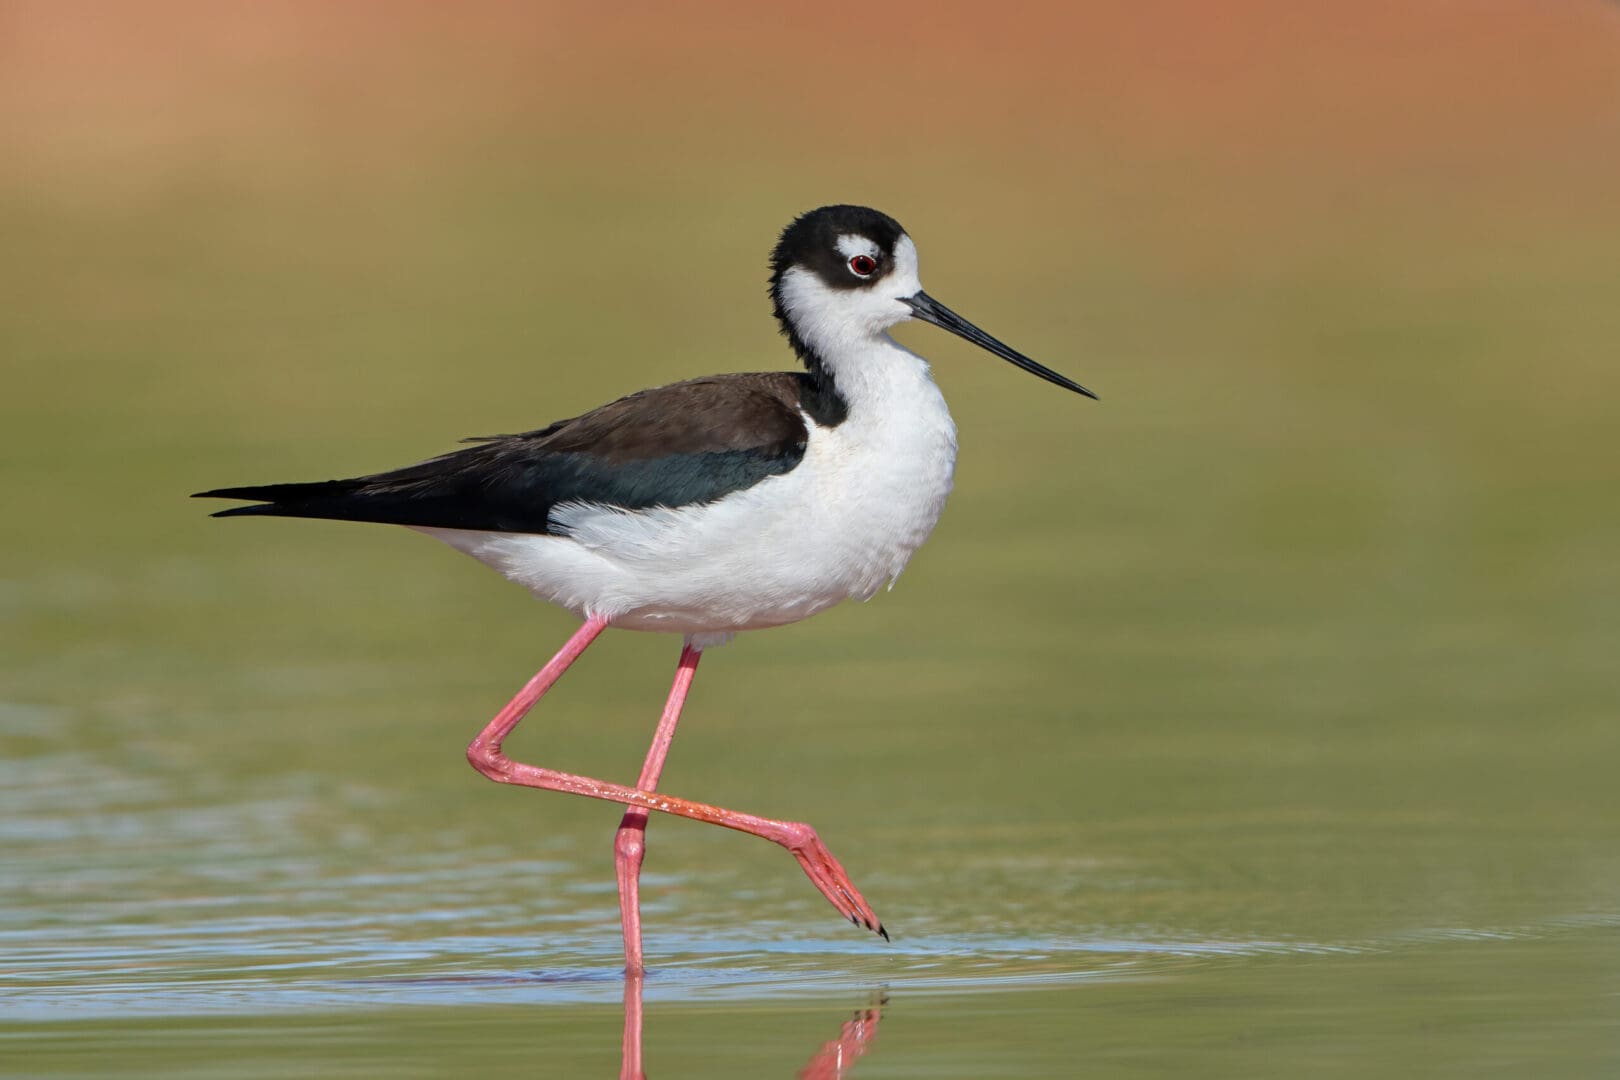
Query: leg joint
630, 845
489, 760
797, 835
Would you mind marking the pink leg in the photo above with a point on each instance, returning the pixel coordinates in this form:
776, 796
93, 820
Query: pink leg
800, 839
630, 843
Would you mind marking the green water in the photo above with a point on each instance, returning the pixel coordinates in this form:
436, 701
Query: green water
1258, 720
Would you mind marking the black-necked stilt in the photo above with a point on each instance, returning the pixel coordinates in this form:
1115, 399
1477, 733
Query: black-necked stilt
703, 508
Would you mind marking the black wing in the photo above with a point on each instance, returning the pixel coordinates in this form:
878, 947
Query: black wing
690, 442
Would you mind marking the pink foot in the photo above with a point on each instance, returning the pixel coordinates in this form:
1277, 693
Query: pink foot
828, 875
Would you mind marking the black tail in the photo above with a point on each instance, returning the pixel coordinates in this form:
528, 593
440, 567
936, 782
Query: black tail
323, 499
501, 486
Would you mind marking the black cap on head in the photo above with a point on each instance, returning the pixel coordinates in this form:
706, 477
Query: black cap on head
811, 241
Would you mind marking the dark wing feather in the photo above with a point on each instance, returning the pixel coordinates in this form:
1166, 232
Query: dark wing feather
678, 445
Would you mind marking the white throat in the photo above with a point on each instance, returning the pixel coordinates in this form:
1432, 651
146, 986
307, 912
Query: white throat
846, 329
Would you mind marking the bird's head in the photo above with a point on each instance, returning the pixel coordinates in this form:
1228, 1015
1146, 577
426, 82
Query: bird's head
842, 275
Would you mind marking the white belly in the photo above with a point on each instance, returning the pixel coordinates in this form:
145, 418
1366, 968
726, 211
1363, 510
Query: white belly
841, 524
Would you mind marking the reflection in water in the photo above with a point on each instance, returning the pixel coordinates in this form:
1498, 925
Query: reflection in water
831, 1062
630, 1069
854, 1039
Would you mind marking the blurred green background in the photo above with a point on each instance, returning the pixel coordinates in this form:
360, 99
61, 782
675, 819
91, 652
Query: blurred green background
1258, 720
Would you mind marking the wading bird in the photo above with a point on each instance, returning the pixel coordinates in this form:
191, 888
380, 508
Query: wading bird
705, 508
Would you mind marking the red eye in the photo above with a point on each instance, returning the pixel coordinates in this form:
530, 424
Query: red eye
862, 265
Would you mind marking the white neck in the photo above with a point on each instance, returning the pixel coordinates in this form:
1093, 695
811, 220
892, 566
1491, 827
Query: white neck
881, 375
846, 330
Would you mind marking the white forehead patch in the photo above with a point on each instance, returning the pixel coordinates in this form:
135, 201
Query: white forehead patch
905, 265
853, 244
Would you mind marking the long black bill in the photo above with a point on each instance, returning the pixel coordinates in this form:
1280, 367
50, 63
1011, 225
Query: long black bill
928, 309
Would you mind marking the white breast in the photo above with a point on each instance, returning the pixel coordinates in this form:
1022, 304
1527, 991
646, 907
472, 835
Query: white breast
841, 524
